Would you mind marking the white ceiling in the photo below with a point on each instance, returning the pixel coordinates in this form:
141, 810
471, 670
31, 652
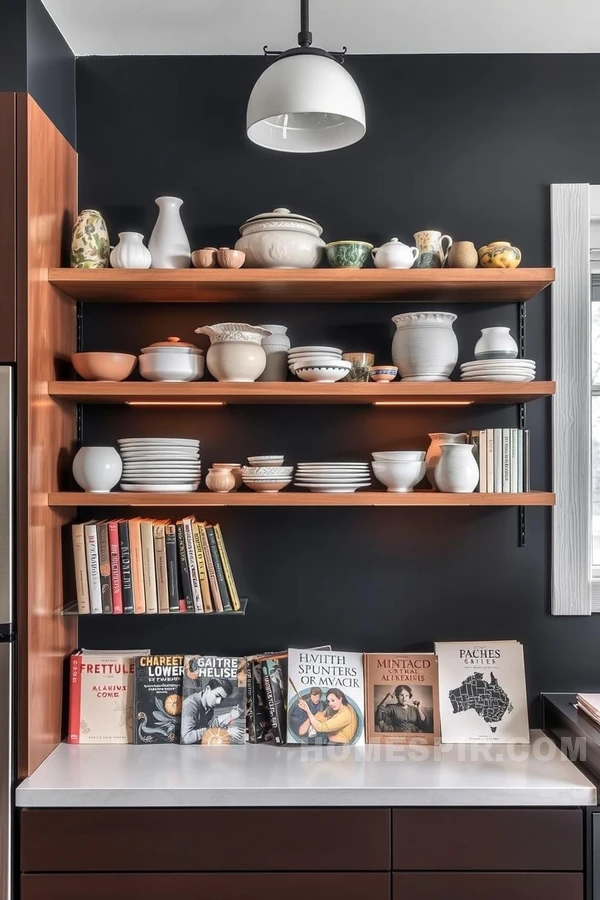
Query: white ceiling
190, 27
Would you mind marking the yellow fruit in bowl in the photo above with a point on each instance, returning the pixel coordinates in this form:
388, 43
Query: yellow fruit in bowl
499, 255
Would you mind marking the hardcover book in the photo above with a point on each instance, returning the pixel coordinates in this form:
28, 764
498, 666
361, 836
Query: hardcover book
160, 562
274, 673
401, 698
104, 566
325, 697
149, 565
202, 561
231, 585
184, 572
223, 590
101, 698
258, 719
157, 708
137, 567
80, 564
214, 700
93, 566
125, 556
115, 567
172, 569
483, 697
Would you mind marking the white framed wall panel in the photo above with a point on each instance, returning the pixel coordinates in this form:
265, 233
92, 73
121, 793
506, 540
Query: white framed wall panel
571, 425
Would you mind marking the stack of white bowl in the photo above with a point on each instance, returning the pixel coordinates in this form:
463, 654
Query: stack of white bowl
399, 470
312, 363
266, 474
169, 465
332, 478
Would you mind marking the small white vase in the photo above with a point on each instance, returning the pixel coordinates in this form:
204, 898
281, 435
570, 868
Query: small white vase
424, 346
130, 252
168, 244
457, 471
496, 343
97, 469
276, 346
434, 452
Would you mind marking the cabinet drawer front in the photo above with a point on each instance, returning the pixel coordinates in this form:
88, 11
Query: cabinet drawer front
480, 839
201, 840
490, 885
292, 886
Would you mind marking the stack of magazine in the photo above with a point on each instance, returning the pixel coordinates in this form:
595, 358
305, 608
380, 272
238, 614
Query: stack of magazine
590, 705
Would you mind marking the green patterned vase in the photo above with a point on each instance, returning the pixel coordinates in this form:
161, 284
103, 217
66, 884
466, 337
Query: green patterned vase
348, 254
89, 246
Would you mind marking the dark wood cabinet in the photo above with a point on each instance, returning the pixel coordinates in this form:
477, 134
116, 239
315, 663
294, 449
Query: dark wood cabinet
488, 885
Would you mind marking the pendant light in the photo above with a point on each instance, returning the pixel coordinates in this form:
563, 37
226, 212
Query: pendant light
305, 102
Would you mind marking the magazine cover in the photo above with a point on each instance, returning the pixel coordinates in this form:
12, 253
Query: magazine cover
258, 719
214, 700
483, 697
325, 699
157, 706
101, 697
401, 698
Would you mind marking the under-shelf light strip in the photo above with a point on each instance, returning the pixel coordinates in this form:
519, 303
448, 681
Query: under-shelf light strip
423, 403
175, 403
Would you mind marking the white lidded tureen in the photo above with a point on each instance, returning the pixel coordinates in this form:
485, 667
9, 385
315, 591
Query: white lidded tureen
235, 352
281, 240
171, 360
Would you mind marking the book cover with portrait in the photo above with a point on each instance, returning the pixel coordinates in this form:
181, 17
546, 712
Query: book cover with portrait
402, 704
214, 700
325, 697
157, 702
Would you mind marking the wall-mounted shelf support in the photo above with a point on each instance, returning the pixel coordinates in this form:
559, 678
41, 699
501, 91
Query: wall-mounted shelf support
522, 411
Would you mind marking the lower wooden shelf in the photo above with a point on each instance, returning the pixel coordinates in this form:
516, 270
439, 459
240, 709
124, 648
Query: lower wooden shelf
299, 498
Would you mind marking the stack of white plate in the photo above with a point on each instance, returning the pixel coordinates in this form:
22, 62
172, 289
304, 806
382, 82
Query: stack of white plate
498, 370
332, 478
169, 465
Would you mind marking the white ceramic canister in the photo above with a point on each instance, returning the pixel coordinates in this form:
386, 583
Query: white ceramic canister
168, 244
434, 450
496, 343
276, 346
97, 469
394, 255
171, 360
457, 471
130, 252
425, 347
235, 352
281, 240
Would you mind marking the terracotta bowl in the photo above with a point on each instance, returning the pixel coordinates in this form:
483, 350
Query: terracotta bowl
103, 366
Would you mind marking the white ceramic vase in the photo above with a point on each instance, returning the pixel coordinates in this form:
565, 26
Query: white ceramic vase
235, 352
434, 451
276, 346
97, 469
130, 252
457, 471
168, 244
424, 346
496, 343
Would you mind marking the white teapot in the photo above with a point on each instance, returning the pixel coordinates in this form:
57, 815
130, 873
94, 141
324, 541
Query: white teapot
394, 255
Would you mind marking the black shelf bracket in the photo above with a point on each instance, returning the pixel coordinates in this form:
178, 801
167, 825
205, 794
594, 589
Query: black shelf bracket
79, 345
522, 414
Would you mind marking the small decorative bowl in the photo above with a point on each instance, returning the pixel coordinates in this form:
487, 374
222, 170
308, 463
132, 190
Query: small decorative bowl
265, 460
267, 487
274, 471
206, 258
383, 373
348, 254
103, 366
230, 259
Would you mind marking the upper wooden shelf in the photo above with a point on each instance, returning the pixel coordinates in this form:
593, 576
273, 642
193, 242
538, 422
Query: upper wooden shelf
451, 392
301, 285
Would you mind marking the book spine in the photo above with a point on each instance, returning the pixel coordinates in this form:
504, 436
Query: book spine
520, 460
104, 562
271, 704
80, 564
250, 725
526, 460
160, 560
506, 460
115, 568
490, 459
184, 572
148, 566
513, 461
172, 579
231, 585
125, 554
212, 582
482, 461
219, 573
497, 460
201, 563
137, 569
192, 565
93, 567
75, 699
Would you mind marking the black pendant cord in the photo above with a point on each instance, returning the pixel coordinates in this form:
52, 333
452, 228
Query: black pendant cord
305, 41
304, 35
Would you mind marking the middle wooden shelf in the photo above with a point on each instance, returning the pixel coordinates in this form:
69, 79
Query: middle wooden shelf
211, 392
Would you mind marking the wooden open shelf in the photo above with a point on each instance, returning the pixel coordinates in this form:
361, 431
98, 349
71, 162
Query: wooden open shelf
301, 285
298, 498
300, 392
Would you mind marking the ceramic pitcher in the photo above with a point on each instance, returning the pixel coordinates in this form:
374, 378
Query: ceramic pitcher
434, 452
457, 471
276, 346
433, 247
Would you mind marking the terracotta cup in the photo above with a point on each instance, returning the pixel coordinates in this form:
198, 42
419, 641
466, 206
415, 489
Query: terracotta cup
205, 258
230, 259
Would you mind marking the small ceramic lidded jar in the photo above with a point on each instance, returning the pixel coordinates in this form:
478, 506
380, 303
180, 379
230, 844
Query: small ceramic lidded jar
171, 360
281, 240
457, 471
220, 480
89, 244
434, 451
496, 343
394, 255
130, 252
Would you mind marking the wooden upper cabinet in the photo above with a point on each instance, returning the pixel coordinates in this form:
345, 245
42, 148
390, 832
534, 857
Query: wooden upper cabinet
8, 226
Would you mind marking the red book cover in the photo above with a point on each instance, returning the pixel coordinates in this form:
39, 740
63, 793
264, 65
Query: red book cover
75, 698
115, 567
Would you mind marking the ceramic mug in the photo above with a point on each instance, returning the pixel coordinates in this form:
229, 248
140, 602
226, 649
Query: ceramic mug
433, 247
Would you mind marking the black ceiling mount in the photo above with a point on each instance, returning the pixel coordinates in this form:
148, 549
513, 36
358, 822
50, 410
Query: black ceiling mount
305, 41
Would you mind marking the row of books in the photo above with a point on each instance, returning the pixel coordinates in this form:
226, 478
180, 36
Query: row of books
461, 693
504, 459
152, 566
589, 704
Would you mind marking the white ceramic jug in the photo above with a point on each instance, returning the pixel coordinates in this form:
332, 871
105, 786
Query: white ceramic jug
168, 244
457, 471
434, 451
130, 252
394, 255
433, 249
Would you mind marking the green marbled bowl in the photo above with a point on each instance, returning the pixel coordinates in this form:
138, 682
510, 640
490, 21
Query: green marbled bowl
348, 254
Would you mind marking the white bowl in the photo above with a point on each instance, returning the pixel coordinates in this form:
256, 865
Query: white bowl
322, 374
399, 476
307, 361
265, 460
400, 455
253, 471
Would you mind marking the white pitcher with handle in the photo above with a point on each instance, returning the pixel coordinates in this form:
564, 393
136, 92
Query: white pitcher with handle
432, 252
394, 255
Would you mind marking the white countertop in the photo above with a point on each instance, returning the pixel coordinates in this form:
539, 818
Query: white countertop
256, 775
